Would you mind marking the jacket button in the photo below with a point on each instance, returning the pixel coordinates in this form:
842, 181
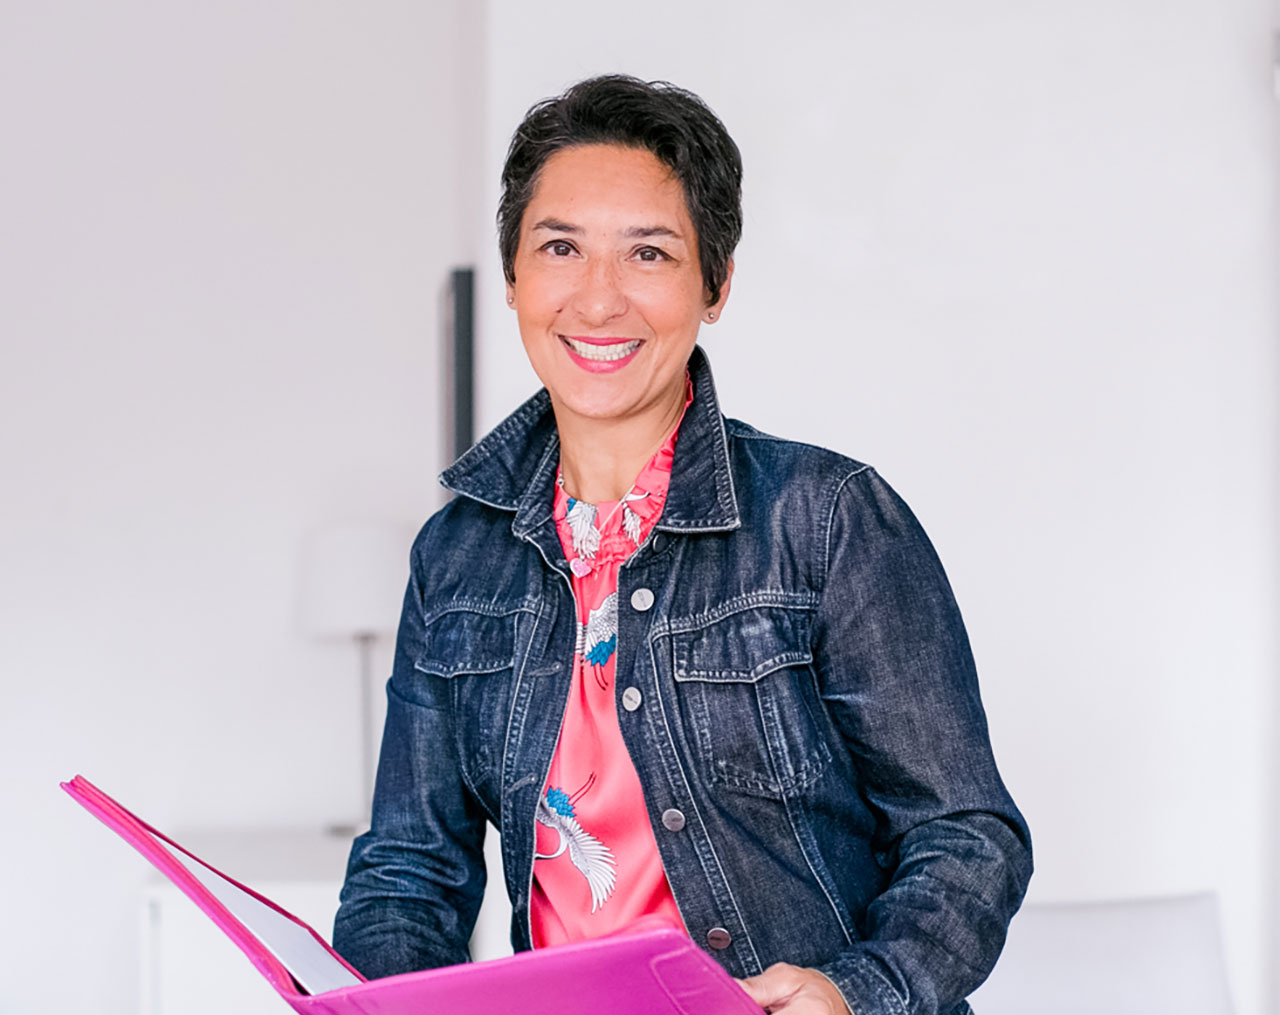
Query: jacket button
658, 542
718, 938
672, 820
642, 599
631, 699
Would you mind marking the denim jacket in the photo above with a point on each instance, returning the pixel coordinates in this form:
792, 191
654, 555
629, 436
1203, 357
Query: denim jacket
808, 733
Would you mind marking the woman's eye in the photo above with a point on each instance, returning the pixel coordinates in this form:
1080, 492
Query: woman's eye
651, 254
560, 248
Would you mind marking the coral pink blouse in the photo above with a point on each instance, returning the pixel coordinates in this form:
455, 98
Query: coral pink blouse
596, 864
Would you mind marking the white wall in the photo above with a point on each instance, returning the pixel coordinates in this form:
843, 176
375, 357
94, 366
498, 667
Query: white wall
224, 229
1021, 257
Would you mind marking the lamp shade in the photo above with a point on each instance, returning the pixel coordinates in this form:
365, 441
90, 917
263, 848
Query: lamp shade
353, 579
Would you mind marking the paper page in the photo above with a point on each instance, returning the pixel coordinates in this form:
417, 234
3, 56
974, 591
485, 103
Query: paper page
307, 960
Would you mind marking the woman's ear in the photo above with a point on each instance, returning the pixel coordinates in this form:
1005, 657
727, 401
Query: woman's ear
712, 313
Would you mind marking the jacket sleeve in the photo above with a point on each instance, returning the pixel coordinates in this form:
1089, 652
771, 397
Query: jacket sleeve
415, 880
898, 678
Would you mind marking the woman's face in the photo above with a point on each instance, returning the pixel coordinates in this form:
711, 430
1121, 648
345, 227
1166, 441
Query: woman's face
608, 285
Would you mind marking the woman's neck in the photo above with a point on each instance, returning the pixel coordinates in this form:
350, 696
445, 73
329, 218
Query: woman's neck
600, 459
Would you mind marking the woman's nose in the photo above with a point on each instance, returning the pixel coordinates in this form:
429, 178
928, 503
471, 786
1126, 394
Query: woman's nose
600, 296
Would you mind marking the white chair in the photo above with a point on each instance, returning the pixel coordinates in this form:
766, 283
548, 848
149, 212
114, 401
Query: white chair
1160, 956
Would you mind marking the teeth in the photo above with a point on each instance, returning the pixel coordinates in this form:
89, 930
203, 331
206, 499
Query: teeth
603, 353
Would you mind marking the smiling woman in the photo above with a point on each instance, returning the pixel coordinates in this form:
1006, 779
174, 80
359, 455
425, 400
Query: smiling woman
688, 669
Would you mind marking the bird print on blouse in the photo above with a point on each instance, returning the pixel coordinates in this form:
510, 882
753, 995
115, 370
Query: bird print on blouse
598, 637
587, 853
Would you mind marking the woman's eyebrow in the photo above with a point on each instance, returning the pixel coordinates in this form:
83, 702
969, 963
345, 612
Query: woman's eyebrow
557, 226
645, 231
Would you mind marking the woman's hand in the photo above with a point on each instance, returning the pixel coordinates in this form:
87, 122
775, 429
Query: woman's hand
794, 990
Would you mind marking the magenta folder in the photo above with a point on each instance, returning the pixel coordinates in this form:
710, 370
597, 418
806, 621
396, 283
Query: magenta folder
648, 969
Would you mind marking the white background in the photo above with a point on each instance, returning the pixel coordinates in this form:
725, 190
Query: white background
225, 230
1019, 256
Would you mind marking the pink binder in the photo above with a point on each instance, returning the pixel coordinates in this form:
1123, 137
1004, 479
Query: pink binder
649, 969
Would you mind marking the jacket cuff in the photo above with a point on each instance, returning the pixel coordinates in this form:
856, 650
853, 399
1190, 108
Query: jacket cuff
862, 983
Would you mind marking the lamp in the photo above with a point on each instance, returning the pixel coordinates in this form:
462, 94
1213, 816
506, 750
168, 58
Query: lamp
352, 586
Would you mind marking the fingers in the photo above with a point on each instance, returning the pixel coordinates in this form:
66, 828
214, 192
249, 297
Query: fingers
795, 991
775, 987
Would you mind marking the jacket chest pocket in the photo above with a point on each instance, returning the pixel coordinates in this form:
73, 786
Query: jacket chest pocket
475, 653
746, 691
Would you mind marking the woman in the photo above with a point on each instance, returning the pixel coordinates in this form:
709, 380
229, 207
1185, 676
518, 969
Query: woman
685, 667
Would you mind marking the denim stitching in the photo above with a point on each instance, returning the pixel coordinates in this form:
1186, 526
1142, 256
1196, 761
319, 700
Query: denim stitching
727, 774
754, 676
482, 607
691, 623
831, 519
669, 745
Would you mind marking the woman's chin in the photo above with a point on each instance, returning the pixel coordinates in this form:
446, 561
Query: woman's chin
597, 405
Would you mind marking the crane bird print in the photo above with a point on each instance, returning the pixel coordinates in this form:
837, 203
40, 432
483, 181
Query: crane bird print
598, 637
592, 857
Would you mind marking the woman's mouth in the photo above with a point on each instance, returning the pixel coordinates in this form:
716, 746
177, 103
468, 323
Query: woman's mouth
600, 355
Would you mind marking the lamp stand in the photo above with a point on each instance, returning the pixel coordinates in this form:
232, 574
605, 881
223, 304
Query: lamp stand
364, 642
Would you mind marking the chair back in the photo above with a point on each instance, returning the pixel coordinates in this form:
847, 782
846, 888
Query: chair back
1159, 956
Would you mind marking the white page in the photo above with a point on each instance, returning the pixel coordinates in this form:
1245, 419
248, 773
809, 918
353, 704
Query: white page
307, 960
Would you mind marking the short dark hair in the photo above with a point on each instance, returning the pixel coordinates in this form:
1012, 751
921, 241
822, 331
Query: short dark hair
672, 123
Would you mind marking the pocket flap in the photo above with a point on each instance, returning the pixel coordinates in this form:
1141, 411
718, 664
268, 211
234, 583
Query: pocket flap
744, 646
461, 642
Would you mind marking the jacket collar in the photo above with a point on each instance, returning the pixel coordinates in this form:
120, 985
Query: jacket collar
513, 467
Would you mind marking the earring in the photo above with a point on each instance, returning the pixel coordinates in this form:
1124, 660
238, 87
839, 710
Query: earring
711, 315
511, 299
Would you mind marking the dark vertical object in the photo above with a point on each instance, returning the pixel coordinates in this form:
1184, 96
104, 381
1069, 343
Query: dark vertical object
462, 283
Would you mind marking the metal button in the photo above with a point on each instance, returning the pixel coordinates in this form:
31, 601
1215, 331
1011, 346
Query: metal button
631, 699
642, 599
673, 820
718, 938
658, 542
